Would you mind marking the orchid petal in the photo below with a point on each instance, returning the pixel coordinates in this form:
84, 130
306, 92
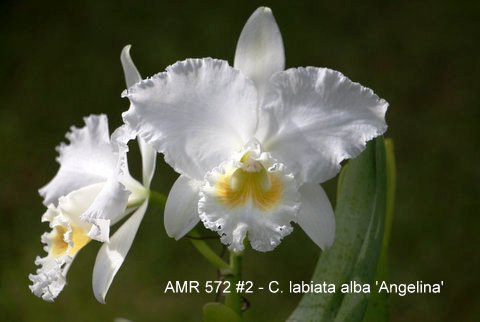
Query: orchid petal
50, 279
197, 113
120, 138
149, 160
149, 156
313, 118
88, 159
260, 52
131, 73
77, 202
112, 254
181, 209
316, 215
108, 205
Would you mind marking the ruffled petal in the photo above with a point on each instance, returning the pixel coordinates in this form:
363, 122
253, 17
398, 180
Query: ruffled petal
50, 279
109, 204
316, 215
181, 210
88, 159
197, 113
235, 206
313, 118
67, 237
260, 52
112, 254
120, 138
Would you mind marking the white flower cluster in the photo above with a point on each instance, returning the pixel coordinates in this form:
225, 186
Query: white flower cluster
251, 143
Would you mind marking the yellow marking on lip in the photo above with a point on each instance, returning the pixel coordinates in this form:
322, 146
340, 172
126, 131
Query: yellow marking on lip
236, 188
60, 246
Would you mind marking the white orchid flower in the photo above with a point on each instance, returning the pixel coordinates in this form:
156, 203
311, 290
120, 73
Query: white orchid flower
252, 143
92, 190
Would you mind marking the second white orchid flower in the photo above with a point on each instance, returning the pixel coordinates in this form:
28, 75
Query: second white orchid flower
92, 191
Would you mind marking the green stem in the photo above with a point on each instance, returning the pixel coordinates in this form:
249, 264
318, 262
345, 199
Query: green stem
208, 253
391, 185
233, 299
159, 198
232, 272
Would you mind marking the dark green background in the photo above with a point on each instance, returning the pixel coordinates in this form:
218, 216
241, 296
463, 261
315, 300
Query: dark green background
60, 62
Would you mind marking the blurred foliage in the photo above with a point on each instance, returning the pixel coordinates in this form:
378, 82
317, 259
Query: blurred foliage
60, 62
361, 213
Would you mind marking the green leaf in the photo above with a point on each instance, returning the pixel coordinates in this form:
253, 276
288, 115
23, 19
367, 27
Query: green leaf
360, 216
218, 312
377, 309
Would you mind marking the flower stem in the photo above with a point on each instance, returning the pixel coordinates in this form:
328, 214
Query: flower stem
208, 253
232, 271
234, 299
159, 198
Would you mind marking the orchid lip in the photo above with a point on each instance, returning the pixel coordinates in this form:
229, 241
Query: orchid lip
249, 183
77, 239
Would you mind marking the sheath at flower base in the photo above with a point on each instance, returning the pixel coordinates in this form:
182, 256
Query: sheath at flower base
252, 143
91, 191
